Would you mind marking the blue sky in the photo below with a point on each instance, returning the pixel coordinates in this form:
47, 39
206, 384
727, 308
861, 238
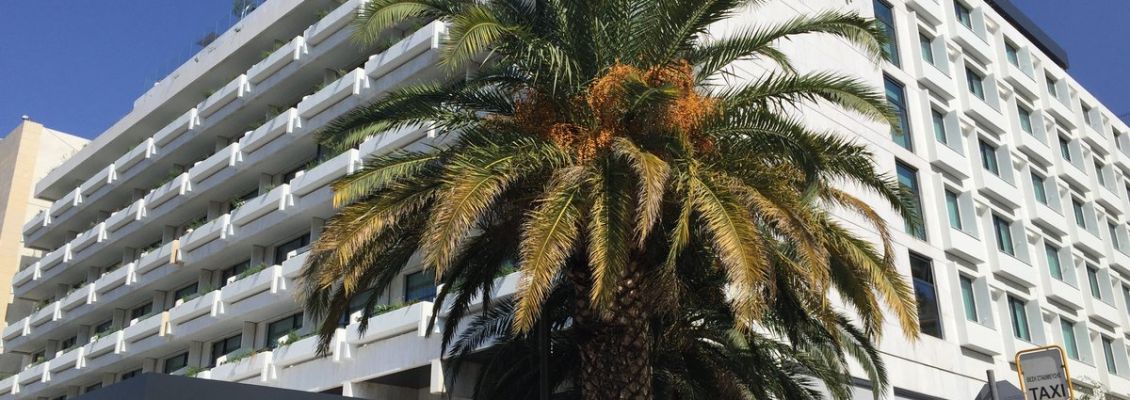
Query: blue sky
77, 65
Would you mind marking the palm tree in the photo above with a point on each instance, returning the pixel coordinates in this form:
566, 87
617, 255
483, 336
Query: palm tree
593, 143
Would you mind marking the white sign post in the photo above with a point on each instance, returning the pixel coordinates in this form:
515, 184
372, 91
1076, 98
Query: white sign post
1043, 374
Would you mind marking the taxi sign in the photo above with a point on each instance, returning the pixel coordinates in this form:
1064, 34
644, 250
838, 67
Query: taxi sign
1043, 374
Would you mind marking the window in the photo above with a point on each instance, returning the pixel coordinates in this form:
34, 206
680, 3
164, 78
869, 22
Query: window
1025, 119
1080, 218
1126, 297
1019, 317
896, 96
186, 291
886, 19
1012, 54
964, 14
234, 271
968, 298
1065, 148
243, 199
926, 45
131, 374
1070, 344
939, 122
282, 327
93, 387
175, 363
976, 83
1099, 173
224, 347
953, 208
1039, 189
1054, 267
1004, 235
68, 343
1053, 91
1087, 115
141, 311
420, 286
103, 327
1114, 241
908, 179
1108, 354
283, 251
922, 273
989, 158
1093, 280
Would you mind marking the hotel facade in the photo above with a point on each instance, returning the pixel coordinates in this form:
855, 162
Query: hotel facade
174, 240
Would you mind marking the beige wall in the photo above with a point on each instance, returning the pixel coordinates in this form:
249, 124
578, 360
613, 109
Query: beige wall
27, 154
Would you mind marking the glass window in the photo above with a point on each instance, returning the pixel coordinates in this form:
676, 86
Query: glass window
175, 363
1108, 354
283, 250
1004, 235
1039, 189
93, 387
104, 326
926, 45
1012, 54
886, 19
1087, 114
141, 311
131, 374
989, 158
1054, 267
186, 291
939, 122
234, 271
282, 327
1126, 297
953, 208
908, 179
1070, 344
976, 83
420, 286
896, 96
922, 272
1093, 280
1080, 217
964, 14
1025, 119
1065, 148
68, 343
1113, 231
1099, 173
224, 347
968, 298
1019, 317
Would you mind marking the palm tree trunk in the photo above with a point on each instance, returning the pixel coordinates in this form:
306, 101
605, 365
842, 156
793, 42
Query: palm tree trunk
615, 350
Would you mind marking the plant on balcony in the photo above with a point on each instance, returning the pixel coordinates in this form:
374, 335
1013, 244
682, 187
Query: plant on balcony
196, 223
192, 371
387, 308
251, 271
203, 290
240, 355
171, 174
601, 147
267, 53
293, 337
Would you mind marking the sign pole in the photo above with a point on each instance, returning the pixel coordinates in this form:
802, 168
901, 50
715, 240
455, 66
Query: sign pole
992, 377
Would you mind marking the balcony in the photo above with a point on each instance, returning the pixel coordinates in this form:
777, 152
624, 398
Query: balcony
104, 177
243, 368
55, 258
333, 22
1047, 218
1062, 291
392, 140
189, 121
40, 220
73, 198
123, 275
349, 85
412, 318
291, 52
47, 314
964, 245
144, 151
79, 297
1021, 79
277, 199
178, 186
135, 212
224, 96
228, 157
66, 360
219, 228
934, 77
207, 304
32, 374
427, 38
144, 327
17, 329
979, 337
315, 178
112, 342
240, 288
23, 276
97, 234
306, 349
169, 253
1086, 239
285, 122
1072, 173
1101, 310
1014, 269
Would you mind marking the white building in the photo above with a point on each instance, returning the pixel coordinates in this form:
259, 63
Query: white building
174, 238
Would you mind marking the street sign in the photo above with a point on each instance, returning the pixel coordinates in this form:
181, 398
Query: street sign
1043, 374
